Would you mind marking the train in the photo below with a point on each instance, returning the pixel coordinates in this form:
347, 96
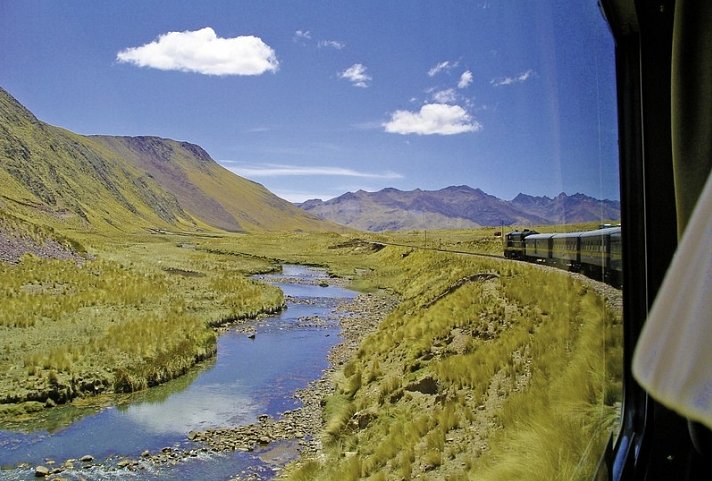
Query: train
595, 253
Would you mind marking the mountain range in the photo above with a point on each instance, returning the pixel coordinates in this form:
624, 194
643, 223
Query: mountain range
56, 177
454, 208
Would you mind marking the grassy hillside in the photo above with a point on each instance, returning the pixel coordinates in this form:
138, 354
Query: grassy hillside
207, 190
486, 370
58, 178
54, 177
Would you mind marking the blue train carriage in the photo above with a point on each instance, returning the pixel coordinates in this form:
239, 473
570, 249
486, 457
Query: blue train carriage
565, 250
514, 243
597, 255
537, 247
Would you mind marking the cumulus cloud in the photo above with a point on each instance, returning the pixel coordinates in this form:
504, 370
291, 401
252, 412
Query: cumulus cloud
357, 75
202, 51
440, 119
331, 44
465, 79
522, 77
442, 66
448, 96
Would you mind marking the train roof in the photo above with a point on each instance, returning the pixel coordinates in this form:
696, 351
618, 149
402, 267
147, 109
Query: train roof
532, 234
597, 232
540, 236
589, 233
566, 235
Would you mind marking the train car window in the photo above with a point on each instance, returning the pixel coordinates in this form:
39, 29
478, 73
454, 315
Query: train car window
488, 132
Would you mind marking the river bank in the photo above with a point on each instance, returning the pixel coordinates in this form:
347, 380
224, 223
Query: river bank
278, 411
136, 316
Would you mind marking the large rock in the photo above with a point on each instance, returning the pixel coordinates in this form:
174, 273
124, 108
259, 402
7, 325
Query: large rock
41, 471
427, 385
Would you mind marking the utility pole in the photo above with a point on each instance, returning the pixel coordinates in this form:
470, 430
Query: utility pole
501, 233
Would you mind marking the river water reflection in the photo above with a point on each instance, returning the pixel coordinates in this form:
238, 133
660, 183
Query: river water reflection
247, 378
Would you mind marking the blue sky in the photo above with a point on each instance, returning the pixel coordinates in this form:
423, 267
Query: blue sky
314, 99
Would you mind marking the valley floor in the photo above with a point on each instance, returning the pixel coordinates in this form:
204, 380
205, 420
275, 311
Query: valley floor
483, 369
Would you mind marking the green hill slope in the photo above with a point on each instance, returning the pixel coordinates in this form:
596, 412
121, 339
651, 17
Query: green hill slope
49, 172
60, 178
207, 190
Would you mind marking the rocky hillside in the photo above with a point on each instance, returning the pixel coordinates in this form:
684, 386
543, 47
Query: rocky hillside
60, 178
564, 208
455, 207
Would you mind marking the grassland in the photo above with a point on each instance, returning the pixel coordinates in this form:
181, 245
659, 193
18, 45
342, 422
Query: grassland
139, 313
487, 369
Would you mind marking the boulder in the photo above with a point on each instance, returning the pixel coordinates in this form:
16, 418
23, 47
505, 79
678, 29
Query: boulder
427, 385
41, 471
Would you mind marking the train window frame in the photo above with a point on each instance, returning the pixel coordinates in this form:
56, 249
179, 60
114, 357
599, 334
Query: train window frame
654, 442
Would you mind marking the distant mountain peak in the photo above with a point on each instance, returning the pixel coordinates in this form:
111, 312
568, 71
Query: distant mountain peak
457, 206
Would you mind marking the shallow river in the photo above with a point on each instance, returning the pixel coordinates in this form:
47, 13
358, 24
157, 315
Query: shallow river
248, 377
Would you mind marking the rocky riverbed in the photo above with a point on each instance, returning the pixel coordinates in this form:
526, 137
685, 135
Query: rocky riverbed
358, 318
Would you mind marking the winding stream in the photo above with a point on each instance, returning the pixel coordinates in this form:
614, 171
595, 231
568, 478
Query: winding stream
247, 378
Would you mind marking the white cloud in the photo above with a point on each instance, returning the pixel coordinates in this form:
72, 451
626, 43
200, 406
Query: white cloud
257, 130
331, 44
522, 77
442, 66
357, 75
301, 35
280, 170
448, 96
202, 51
465, 79
440, 119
